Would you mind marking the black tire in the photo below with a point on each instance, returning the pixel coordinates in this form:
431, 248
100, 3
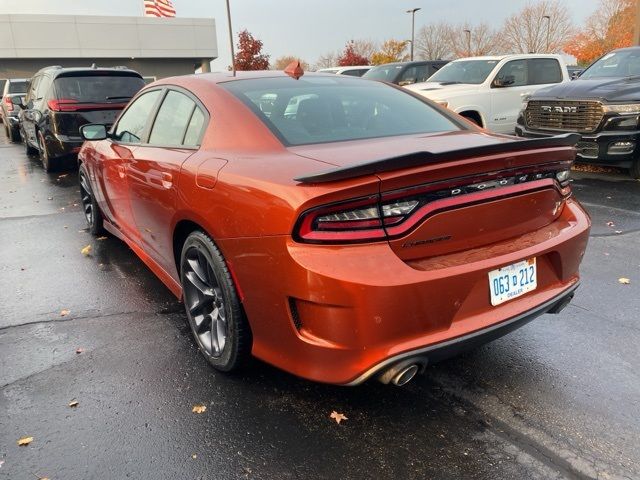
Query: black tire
634, 171
14, 137
211, 303
47, 161
28, 149
92, 213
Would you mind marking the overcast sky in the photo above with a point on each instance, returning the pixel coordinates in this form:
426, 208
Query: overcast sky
307, 28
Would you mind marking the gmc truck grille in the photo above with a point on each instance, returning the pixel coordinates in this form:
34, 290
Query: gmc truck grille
565, 116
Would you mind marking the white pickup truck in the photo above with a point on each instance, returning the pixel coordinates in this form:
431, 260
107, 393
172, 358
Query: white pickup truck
490, 90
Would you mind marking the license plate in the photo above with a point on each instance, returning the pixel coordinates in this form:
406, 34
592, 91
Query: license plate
512, 281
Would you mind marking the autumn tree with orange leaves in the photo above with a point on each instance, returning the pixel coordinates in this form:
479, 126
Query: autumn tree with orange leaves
610, 27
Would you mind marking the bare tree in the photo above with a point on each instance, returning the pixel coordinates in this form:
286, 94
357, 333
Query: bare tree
281, 62
542, 27
433, 42
329, 59
364, 47
474, 40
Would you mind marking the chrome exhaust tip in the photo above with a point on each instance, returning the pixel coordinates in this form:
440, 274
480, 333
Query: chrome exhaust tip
401, 373
405, 375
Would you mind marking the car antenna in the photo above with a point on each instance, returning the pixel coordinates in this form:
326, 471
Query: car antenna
294, 70
233, 57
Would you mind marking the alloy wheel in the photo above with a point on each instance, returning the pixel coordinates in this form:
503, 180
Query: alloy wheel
205, 302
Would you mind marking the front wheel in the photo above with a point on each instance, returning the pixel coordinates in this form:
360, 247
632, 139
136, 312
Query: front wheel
634, 171
215, 315
92, 213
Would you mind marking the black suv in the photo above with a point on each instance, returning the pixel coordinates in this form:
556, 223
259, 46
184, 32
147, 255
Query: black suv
405, 73
12, 94
603, 105
60, 100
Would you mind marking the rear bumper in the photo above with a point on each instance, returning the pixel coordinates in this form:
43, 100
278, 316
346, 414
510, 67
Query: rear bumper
63, 145
338, 314
456, 346
597, 148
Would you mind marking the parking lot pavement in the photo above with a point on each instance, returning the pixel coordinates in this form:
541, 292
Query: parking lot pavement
556, 399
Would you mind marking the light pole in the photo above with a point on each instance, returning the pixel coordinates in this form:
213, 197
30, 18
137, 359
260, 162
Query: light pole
413, 27
468, 32
548, 30
233, 57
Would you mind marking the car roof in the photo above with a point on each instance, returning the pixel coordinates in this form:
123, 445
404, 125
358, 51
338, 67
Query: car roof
511, 55
224, 77
57, 70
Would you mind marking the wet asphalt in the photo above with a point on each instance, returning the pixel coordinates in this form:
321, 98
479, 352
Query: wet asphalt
558, 398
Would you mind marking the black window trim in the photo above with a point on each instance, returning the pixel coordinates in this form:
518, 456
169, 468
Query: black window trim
146, 133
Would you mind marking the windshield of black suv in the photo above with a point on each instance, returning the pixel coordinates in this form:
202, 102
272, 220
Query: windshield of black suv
98, 88
320, 109
623, 63
386, 73
464, 71
17, 86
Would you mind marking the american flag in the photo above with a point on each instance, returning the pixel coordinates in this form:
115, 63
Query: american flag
159, 8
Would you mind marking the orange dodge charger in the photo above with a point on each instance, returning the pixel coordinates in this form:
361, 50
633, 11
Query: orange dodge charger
338, 228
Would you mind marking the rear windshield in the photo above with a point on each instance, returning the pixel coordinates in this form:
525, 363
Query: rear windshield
325, 109
98, 88
386, 73
17, 86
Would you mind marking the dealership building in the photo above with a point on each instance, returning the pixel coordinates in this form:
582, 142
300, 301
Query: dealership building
155, 47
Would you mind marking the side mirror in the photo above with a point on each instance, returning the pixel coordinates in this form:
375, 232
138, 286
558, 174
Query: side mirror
33, 115
505, 81
93, 131
18, 101
575, 75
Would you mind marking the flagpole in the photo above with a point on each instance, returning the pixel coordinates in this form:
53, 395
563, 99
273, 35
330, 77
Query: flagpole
233, 59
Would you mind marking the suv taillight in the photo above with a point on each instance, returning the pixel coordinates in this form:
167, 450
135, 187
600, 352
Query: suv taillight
63, 105
394, 214
9, 103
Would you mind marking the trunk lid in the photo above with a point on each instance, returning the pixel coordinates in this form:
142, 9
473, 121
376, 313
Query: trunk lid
462, 200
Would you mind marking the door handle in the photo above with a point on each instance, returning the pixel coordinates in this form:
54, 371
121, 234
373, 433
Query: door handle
121, 171
167, 180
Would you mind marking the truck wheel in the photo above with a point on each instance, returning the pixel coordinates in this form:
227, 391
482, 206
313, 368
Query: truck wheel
635, 169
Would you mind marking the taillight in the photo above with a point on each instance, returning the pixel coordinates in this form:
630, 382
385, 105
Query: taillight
63, 105
9, 103
394, 214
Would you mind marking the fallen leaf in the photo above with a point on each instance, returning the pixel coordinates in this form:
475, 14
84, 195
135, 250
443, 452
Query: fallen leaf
1, 463
66, 226
49, 198
86, 250
24, 441
194, 456
624, 281
611, 224
74, 403
618, 232
199, 408
43, 478
101, 238
338, 417
79, 350
64, 313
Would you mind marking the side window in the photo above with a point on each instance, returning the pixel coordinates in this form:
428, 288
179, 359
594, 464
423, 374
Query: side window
33, 85
408, 76
544, 70
172, 120
43, 87
422, 73
514, 73
132, 123
194, 130
352, 73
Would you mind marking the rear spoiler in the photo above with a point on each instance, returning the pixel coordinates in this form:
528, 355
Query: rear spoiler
422, 158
